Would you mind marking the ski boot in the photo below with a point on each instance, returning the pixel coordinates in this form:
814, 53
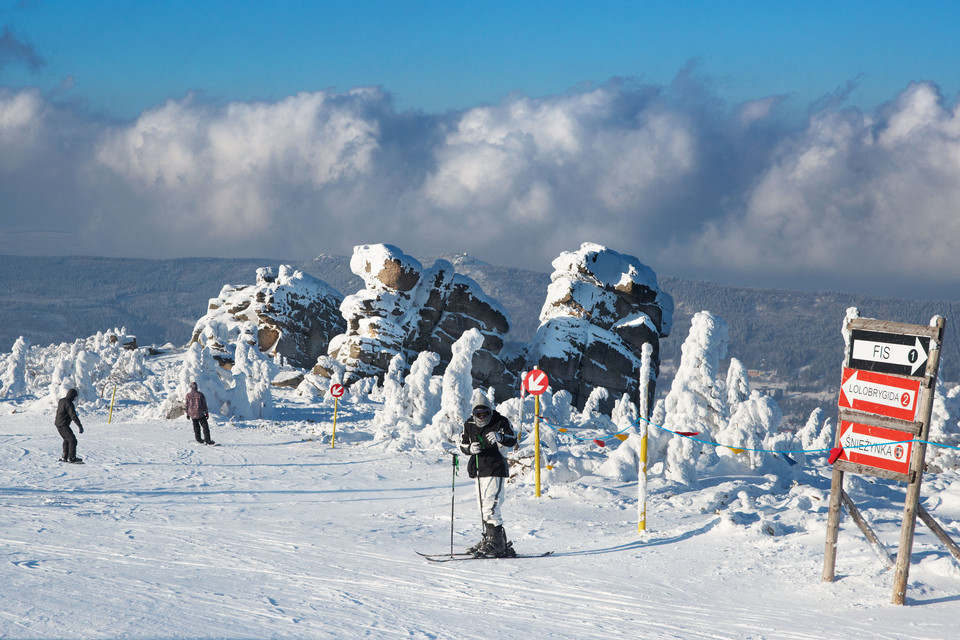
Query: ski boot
487, 532
496, 545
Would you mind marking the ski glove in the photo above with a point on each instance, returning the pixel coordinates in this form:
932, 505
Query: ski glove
474, 447
493, 437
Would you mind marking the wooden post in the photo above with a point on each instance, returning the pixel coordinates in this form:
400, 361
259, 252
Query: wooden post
939, 532
917, 462
833, 526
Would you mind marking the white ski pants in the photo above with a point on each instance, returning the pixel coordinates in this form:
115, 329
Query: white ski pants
489, 496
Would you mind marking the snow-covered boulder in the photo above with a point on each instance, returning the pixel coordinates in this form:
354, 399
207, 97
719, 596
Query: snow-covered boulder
601, 308
287, 314
405, 309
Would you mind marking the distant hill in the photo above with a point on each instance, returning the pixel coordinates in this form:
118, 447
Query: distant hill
794, 336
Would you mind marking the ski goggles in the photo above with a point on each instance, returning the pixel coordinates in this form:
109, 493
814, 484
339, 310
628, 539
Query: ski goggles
483, 413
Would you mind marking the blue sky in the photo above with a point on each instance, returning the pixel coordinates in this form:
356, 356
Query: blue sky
759, 143
125, 56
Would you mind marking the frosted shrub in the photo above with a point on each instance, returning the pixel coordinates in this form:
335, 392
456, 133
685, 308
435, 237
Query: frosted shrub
622, 462
592, 406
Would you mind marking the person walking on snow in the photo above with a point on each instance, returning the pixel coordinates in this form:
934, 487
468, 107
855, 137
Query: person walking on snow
484, 432
67, 413
196, 404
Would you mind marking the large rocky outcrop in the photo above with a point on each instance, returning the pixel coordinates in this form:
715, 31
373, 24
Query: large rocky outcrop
405, 309
287, 313
601, 308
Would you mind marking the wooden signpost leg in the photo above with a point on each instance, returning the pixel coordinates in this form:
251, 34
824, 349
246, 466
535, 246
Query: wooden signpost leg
917, 464
907, 530
833, 526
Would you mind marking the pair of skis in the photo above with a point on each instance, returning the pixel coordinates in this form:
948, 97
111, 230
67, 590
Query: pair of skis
450, 557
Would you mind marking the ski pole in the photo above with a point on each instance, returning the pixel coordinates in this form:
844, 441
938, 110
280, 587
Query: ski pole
453, 490
476, 461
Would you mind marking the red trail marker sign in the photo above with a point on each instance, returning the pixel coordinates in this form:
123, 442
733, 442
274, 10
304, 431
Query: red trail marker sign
875, 446
879, 393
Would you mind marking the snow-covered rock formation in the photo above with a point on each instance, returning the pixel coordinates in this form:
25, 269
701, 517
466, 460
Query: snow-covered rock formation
288, 314
601, 308
405, 309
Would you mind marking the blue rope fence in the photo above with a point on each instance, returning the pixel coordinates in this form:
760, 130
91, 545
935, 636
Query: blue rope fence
691, 435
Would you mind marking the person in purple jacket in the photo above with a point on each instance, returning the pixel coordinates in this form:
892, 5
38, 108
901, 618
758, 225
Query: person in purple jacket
196, 404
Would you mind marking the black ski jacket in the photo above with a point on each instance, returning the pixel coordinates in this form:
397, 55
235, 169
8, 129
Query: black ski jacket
66, 411
489, 462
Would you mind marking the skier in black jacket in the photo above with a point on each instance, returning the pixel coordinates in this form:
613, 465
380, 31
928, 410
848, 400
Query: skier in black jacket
484, 432
66, 413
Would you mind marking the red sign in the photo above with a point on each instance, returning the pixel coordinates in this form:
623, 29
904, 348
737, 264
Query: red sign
875, 446
336, 390
879, 393
536, 382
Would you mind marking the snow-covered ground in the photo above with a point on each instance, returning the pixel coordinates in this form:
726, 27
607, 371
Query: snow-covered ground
275, 534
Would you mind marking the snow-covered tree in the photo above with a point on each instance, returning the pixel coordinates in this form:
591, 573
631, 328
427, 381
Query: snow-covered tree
457, 391
13, 373
695, 402
227, 398
755, 420
738, 385
817, 433
257, 370
944, 429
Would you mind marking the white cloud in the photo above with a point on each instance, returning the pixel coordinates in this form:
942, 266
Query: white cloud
853, 195
671, 175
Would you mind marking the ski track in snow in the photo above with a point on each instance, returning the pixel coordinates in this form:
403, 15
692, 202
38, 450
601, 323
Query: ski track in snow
270, 535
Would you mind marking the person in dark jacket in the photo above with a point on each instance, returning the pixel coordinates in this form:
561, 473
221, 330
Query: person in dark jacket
484, 432
196, 404
67, 413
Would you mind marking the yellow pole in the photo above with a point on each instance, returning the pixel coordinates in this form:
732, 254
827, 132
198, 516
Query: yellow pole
536, 439
333, 437
111, 404
642, 525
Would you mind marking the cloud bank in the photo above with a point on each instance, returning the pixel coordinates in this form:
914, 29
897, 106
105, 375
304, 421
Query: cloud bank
670, 174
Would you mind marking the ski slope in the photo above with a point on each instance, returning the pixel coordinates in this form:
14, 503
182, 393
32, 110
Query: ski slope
274, 534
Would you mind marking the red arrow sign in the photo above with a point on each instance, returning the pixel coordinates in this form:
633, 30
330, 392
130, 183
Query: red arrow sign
536, 382
336, 390
879, 393
887, 449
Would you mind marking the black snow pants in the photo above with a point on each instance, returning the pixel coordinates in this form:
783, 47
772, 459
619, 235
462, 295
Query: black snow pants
201, 422
69, 442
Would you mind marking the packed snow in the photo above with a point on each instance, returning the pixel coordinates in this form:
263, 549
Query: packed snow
282, 531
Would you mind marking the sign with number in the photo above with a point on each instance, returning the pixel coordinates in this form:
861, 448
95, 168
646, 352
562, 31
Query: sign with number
878, 393
876, 447
536, 382
336, 390
905, 355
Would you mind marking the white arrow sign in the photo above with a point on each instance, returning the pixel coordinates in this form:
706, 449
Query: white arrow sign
912, 356
876, 447
877, 393
536, 382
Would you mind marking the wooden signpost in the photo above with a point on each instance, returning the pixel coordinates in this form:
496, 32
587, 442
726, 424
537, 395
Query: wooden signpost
886, 398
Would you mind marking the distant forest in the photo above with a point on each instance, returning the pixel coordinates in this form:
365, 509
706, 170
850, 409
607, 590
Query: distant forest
794, 334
